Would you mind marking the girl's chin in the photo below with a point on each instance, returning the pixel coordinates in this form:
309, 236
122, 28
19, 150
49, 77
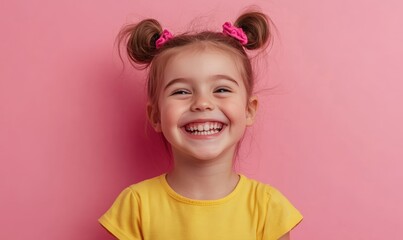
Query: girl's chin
203, 154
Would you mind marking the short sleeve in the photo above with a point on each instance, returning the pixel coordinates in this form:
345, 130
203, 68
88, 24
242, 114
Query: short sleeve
281, 217
122, 219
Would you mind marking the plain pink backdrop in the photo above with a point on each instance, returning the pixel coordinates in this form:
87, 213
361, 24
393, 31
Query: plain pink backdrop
329, 136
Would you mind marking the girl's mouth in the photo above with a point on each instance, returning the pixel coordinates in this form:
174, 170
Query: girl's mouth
204, 129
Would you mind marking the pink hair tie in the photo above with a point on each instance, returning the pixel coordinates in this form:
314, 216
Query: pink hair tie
164, 37
235, 32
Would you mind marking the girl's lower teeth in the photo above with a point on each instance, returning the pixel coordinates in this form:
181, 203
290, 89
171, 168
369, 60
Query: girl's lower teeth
204, 132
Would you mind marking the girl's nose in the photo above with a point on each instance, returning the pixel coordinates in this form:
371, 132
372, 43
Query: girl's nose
202, 104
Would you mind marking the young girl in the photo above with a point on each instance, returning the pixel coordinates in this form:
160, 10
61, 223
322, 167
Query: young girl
200, 98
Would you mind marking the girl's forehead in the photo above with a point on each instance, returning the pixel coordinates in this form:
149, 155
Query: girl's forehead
190, 62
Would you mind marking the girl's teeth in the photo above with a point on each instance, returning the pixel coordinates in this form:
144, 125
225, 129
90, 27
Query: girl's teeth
206, 128
204, 132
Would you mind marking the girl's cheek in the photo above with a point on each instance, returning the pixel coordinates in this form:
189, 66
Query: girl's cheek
173, 105
236, 105
171, 111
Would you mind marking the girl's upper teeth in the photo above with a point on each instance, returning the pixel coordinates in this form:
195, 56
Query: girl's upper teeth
206, 126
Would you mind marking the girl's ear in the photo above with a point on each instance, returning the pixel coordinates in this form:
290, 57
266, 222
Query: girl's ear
251, 110
153, 117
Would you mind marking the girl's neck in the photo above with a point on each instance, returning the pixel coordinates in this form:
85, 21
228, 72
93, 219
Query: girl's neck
203, 180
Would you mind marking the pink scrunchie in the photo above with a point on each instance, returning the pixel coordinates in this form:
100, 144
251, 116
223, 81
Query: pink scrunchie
235, 32
165, 36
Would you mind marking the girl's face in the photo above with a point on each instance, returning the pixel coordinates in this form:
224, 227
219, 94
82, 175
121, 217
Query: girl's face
203, 105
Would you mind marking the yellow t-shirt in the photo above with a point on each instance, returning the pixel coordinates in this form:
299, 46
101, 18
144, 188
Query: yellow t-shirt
152, 210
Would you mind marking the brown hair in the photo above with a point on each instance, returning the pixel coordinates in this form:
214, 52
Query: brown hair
140, 41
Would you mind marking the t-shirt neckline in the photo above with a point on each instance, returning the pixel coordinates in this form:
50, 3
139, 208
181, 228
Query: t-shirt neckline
190, 201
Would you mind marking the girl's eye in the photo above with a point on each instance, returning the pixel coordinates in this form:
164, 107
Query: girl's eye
222, 90
180, 92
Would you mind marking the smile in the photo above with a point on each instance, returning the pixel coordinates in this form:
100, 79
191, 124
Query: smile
206, 128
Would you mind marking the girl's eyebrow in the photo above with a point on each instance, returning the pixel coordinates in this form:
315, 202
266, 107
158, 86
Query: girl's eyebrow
212, 78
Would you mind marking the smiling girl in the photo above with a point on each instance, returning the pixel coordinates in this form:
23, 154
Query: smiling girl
200, 97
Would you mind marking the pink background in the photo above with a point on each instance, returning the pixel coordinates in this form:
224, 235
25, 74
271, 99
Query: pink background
329, 136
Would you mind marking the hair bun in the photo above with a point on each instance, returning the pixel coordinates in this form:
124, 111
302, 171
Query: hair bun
257, 29
141, 39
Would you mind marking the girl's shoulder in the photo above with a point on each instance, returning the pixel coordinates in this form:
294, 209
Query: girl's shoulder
263, 191
146, 185
258, 186
282, 214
